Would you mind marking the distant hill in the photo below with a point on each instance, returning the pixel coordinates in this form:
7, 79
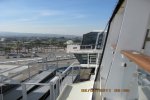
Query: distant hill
17, 34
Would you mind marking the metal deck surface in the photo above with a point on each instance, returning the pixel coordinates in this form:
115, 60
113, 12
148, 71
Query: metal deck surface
38, 93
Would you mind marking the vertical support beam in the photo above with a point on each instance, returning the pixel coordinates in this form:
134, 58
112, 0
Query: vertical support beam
24, 92
29, 71
42, 64
97, 40
79, 71
72, 74
51, 91
68, 63
46, 66
57, 62
97, 58
1, 96
88, 59
57, 88
60, 81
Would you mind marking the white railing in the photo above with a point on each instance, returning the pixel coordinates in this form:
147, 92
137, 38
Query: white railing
69, 74
25, 72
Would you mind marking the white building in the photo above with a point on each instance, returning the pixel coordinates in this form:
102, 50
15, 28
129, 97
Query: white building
69, 42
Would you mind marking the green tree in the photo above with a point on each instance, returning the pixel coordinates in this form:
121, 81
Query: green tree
19, 46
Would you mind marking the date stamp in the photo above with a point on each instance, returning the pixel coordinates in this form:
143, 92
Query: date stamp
105, 90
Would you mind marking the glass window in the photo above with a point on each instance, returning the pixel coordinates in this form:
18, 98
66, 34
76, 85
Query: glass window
90, 39
100, 41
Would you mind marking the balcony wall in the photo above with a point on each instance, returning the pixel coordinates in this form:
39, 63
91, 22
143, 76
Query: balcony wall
130, 36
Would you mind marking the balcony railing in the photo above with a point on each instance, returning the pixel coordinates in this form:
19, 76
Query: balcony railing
42, 73
140, 59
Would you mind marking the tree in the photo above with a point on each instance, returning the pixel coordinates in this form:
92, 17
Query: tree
19, 46
7, 50
77, 40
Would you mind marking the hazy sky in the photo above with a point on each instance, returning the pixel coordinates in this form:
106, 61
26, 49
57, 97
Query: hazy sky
55, 16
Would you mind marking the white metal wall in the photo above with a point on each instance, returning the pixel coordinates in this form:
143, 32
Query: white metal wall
71, 48
131, 37
112, 40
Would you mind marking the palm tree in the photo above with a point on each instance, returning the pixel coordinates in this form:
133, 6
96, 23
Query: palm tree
7, 50
37, 44
19, 46
28, 47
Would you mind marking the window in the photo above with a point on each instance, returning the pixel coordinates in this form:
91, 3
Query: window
74, 47
90, 39
100, 41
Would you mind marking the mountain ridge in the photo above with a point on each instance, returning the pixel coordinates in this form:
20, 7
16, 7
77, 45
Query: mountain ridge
20, 34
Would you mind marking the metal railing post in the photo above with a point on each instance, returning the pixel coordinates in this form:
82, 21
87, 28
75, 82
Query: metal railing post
57, 88
72, 74
1, 88
57, 63
52, 95
24, 93
88, 59
43, 64
29, 72
46, 63
79, 71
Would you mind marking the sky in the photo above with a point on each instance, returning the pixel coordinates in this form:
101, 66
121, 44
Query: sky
73, 17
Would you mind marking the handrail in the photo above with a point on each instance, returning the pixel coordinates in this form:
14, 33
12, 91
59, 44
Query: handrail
35, 61
72, 65
140, 59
